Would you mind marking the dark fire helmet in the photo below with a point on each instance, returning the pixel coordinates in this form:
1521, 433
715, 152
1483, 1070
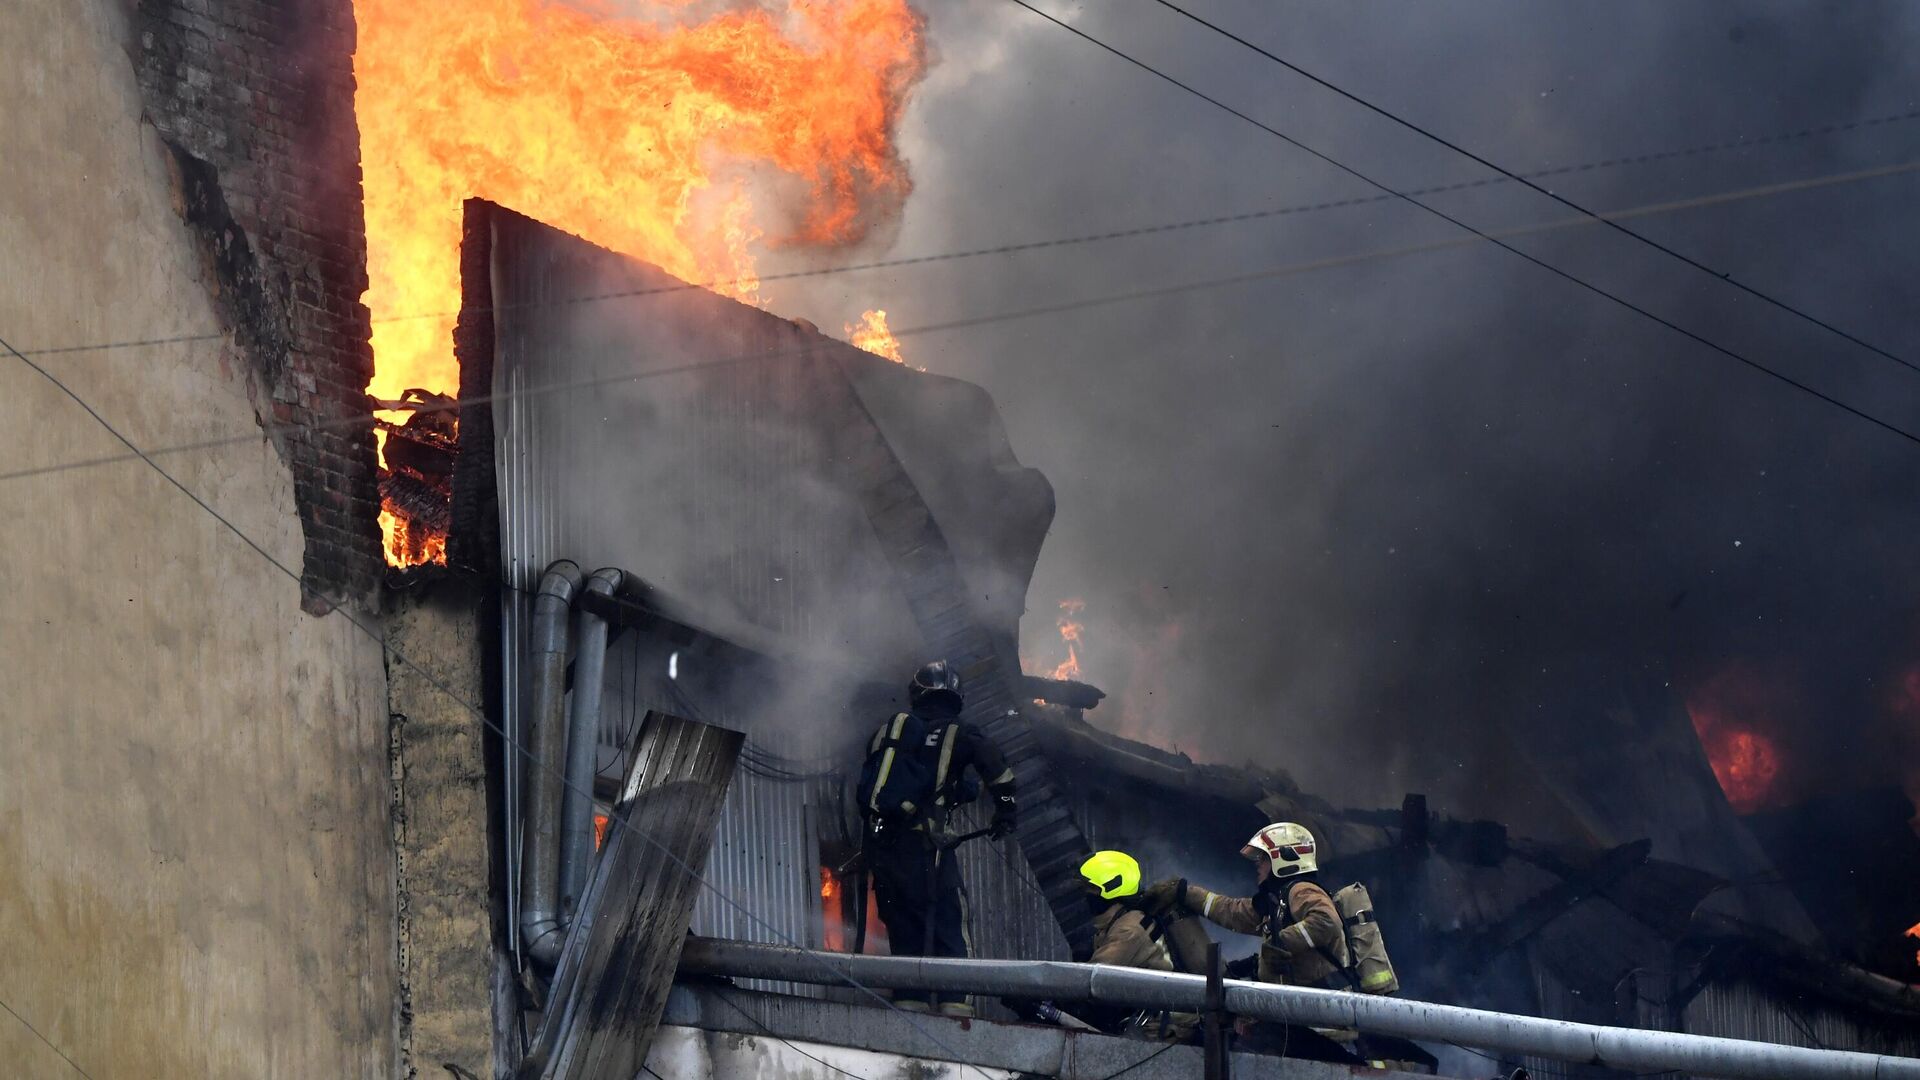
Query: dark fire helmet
937, 678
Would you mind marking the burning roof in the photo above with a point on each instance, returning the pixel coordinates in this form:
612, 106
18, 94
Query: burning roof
710, 448
674, 135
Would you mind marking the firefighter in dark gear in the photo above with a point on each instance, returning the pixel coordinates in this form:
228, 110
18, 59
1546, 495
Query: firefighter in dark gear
1129, 933
914, 777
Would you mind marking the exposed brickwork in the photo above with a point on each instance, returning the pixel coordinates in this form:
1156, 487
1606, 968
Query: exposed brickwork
474, 543
256, 99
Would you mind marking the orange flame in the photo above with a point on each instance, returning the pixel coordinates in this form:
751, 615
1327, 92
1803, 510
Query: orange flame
1727, 712
649, 136
1070, 631
1914, 932
871, 334
834, 930
1745, 763
408, 545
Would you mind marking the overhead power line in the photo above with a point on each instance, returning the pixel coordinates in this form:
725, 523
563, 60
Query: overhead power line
1528, 183
257, 432
1566, 275
1127, 233
49, 1042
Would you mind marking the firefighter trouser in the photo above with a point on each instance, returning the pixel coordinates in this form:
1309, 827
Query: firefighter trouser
919, 896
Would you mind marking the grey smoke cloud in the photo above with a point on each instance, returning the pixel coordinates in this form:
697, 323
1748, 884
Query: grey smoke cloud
1368, 514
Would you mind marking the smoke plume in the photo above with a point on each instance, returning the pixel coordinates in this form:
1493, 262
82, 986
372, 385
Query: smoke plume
1361, 523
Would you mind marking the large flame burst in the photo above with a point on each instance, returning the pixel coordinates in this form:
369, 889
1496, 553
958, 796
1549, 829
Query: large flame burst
633, 124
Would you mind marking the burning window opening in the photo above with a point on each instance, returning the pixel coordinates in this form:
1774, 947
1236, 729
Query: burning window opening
659, 136
839, 914
416, 476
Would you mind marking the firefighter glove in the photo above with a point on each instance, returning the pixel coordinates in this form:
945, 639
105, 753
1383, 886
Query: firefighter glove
1164, 896
1006, 815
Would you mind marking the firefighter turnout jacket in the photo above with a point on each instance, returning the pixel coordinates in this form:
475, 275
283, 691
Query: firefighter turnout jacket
919, 767
1124, 936
1301, 940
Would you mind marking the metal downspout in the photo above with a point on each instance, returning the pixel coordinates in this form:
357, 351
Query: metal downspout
583, 744
540, 925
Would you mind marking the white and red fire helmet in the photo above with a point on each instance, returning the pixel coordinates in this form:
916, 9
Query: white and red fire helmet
1287, 847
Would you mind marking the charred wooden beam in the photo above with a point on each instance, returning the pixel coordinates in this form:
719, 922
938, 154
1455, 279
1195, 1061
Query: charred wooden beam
623, 947
418, 501
1068, 692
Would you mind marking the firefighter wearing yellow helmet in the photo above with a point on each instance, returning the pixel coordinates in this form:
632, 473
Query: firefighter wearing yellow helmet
1302, 941
1128, 931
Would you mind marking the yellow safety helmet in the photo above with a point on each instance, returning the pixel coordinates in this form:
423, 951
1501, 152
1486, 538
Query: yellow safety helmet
1288, 848
1113, 874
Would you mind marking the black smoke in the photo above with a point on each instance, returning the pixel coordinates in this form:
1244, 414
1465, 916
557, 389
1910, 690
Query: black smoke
1355, 522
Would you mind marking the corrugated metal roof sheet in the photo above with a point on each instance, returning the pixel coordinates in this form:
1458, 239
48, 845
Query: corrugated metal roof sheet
1742, 1010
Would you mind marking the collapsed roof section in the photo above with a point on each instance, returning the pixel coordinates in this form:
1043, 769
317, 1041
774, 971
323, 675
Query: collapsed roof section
767, 484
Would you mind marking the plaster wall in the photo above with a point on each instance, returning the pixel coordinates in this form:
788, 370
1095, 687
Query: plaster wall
195, 861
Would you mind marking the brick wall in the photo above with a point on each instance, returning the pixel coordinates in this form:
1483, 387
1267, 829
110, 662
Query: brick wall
255, 99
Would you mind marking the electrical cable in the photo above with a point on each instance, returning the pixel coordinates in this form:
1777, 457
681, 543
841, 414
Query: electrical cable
1018, 247
478, 713
1457, 222
1548, 192
353, 421
44, 1039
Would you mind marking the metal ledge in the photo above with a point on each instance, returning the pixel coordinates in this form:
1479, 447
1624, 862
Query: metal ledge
1031, 1049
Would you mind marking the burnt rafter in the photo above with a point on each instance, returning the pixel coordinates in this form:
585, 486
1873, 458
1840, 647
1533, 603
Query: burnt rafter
425, 443
1469, 957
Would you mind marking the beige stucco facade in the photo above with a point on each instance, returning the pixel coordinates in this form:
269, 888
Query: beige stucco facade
196, 872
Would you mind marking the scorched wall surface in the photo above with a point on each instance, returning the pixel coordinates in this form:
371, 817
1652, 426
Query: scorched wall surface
195, 878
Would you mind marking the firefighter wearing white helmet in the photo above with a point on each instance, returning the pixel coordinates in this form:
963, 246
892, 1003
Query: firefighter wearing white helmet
1301, 938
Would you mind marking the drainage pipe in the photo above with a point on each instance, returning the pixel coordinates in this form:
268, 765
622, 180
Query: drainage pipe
583, 745
1618, 1048
540, 925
